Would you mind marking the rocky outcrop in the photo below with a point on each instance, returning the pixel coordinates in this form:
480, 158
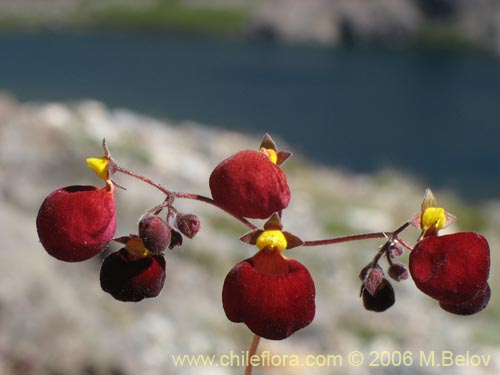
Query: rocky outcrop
331, 22
382, 21
446, 22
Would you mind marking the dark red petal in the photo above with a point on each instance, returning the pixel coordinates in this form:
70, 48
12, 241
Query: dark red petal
131, 280
452, 268
476, 304
248, 184
77, 222
272, 306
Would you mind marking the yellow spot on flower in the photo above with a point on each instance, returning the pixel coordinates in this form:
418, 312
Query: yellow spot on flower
272, 239
99, 166
136, 248
433, 217
271, 154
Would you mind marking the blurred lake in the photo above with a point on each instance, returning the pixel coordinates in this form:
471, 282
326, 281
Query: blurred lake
429, 113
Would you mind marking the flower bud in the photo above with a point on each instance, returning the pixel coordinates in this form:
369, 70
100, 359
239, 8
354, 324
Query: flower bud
395, 250
398, 272
188, 224
374, 277
154, 233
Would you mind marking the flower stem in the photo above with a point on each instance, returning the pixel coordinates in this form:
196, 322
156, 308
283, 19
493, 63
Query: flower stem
251, 352
208, 200
173, 194
114, 167
357, 237
354, 237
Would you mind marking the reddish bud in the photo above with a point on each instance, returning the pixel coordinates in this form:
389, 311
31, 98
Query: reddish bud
273, 295
75, 223
154, 233
248, 184
396, 250
453, 269
374, 277
398, 272
131, 279
188, 224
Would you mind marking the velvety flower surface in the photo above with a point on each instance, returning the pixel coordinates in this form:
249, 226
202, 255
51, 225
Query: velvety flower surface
472, 306
273, 295
248, 184
77, 222
131, 279
453, 269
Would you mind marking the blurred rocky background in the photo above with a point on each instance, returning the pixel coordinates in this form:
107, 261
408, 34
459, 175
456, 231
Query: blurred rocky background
54, 318
455, 23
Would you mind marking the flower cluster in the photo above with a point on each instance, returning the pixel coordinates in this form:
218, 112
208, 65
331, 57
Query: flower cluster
76, 223
272, 294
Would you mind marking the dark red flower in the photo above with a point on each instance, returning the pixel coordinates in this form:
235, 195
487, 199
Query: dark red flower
273, 295
249, 184
381, 299
376, 291
75, 223
453, 269
130, 278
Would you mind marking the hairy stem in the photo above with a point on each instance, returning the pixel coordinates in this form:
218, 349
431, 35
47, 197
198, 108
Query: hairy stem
354, 237
173, 194
114, 167
358, 237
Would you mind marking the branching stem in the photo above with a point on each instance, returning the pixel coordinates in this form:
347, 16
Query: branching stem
171, 195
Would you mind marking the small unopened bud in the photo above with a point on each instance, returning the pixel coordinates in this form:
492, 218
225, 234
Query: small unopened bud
398, 272
188, 224
396, 250
154, 233
373, 279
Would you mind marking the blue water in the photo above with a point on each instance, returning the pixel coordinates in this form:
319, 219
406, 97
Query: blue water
432, 114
